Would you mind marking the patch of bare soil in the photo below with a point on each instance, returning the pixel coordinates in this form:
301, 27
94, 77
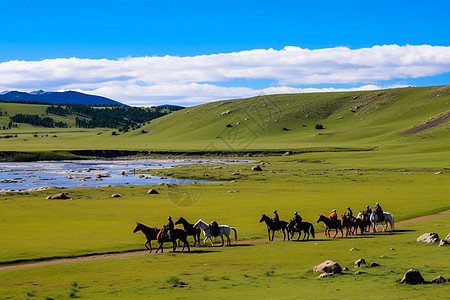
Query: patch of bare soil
145, 252
430, 123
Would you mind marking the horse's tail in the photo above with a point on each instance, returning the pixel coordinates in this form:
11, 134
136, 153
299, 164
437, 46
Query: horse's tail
392, 223
312, 230
235, 233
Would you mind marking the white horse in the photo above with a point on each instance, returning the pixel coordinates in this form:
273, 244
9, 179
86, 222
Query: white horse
224, 229
387, 218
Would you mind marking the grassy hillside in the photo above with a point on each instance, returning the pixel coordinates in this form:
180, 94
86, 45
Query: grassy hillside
350, 120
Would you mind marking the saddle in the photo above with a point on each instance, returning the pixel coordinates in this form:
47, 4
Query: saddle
214, 228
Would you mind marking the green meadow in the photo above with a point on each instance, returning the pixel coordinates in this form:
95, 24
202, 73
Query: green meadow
360, 157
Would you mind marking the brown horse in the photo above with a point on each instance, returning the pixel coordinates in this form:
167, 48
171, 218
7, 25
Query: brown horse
328, 225
306, 227
176, 234
349, 224
149, 232
274, 227
190, 230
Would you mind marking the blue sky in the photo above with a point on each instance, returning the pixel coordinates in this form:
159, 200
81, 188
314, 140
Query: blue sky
113, 38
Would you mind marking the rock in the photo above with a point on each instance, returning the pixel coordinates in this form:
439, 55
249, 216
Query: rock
328, 266
325, 275
287, 153
152, 191
360, 262
359, 272
115, 196
256, 168
58, 196
443, 243
353, 249
233, 191
373, 265
438, 280
101, 175
447, 238
344, 269
392, 249
430, 237
412, 277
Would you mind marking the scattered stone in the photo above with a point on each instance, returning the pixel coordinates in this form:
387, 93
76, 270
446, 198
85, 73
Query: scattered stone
443, 243
325, 275
439, 280
437, 173
256, 168
412, 277
359, 273
360, 262
447, 238
353, 249
152, 191
233, 191
392, 249
374, 264
226, 112
344, 269
101, 175
429, 237
58, 196
287, 153
328, 266
115, 196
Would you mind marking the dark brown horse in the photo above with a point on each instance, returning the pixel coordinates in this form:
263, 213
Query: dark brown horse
149, 232
176, 234
271, 226
306, 227
328, 225
349, 223
364, 220
190, 230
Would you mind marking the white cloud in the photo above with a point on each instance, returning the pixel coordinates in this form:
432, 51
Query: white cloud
156, 80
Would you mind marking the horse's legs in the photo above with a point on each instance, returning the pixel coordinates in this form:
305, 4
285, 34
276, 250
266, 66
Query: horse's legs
268, 232
221, 236
284, 234
204, 241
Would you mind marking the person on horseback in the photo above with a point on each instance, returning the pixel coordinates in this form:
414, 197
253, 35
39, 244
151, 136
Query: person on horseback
297, 219
333, 217
168, 228
214, 227
275, 218
379, 211
368, 211
349, 212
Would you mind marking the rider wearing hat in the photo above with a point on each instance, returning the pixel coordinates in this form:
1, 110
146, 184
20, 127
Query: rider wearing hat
297, 219
349, 212
169, 227
379, 211
333, 216
368, 211
275, 218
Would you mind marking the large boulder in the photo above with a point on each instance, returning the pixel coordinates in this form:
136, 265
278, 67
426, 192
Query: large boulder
412, 277
58, 196
443, 243
152, 191
328, 266
429, 237
439, 280
256, 168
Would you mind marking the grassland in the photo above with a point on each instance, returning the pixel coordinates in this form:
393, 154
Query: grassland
360, 158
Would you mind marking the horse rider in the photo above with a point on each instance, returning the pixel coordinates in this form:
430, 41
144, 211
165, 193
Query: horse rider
368, 211
297, 219
214, 227
275, 218
333, 217
168, 228
379, 211
349, 212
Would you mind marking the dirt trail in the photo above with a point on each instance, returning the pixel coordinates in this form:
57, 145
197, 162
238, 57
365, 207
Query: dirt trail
124, 255
430, 123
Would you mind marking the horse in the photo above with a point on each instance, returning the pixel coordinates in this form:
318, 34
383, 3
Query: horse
306, 227
223, 229
364, 221
328, 225
374, 219
149, 232
271, 226
190, 230
176, 234
349, 224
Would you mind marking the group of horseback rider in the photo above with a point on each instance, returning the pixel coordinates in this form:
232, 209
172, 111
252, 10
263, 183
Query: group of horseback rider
214, 227
377, 209
333, 216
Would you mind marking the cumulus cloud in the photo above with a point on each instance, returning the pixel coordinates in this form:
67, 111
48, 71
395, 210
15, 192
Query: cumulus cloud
193, 79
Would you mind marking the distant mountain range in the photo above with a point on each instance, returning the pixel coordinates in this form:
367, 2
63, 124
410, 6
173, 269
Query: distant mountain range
70, 97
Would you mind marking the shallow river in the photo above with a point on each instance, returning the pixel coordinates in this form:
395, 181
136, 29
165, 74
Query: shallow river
21, 176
